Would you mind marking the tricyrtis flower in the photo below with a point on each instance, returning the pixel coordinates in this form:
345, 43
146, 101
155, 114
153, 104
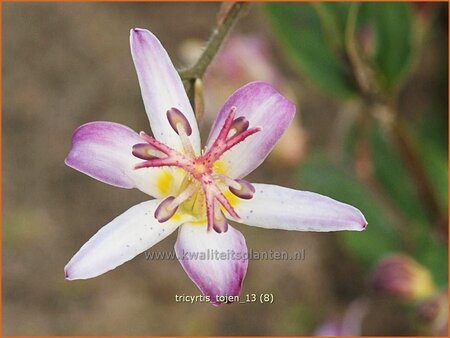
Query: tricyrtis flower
194, 190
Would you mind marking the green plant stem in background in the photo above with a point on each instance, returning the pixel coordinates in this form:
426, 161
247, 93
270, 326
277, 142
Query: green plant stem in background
419, 175
229, 15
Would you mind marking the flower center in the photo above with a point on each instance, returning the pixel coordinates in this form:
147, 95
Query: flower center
202, 180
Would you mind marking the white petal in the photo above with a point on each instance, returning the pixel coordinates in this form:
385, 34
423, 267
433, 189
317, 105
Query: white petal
216, 263
125, 237
275, 207
161, 88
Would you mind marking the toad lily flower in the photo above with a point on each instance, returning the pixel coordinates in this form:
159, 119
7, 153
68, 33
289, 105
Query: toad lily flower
194, 191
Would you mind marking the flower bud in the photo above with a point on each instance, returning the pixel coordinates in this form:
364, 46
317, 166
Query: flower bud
400, 276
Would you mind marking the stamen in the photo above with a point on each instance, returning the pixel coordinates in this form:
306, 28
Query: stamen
184, 195
220, 222
228, 181
146, 151
170, 157
165, 210
187, 145
240, 124
156, 144
177, 120
238, 138
245, 191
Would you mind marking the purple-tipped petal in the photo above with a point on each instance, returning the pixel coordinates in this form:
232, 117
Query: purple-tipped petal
161, 88
263, 107
103, 150
131, 233
275, 207
215, 262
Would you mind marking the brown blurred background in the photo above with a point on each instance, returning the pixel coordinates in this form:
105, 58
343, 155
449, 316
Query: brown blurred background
67, 64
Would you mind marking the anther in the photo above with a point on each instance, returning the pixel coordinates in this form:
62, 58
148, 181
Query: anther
240, 124
177, 120
228, 181
184, 195
245, 191
165, 210
220, 222
146, 151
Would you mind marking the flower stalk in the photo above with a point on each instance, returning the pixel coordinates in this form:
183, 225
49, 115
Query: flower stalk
190, 75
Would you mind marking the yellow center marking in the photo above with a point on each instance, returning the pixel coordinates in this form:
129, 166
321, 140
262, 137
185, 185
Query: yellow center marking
164, 182
219, 167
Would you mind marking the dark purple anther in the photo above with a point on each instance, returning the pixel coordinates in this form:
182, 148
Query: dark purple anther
177, 118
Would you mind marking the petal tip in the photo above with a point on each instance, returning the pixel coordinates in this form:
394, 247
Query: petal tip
67, 274
137, 30
362, 222
364, 225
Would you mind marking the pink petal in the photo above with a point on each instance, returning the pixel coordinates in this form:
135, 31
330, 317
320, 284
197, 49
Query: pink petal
263, 107
103, 150
161, 88
275, 207
125, 237
216, 275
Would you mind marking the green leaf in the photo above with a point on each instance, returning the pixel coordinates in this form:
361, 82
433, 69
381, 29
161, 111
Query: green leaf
320, 175
392, 173
391, 25
314, 42
433, 153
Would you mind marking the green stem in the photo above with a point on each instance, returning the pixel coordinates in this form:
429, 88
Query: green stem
218, 36
214, 43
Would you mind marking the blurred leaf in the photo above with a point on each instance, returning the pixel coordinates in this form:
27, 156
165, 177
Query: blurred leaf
392, 173
333, 19
391, 26
320, 175
313, 41
434, 158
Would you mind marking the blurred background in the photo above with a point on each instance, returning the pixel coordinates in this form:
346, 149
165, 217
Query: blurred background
370, 82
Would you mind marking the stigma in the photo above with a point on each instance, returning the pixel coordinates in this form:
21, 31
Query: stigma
202, 177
